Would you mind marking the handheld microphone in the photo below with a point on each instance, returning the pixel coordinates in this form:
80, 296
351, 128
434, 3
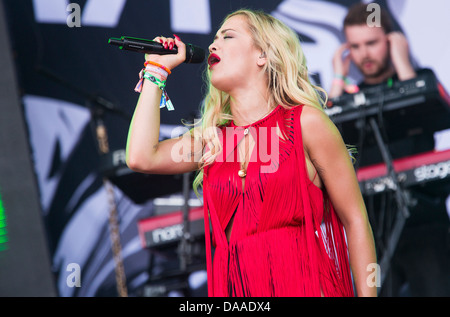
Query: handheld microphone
194, 54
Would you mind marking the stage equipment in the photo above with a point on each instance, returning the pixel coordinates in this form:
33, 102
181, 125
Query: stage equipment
392, 126
178, 235
25, 266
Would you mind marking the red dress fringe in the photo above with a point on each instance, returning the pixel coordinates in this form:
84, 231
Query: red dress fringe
286, 239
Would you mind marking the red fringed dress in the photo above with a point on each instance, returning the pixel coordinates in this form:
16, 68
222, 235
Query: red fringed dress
286, 239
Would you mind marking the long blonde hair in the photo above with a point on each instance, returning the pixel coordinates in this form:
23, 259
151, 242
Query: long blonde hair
287, 73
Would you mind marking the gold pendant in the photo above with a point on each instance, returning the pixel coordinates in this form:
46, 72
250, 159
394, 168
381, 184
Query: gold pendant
242, 173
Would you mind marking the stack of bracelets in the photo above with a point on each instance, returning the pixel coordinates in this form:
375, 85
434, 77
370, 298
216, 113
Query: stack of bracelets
344, 82
151, 69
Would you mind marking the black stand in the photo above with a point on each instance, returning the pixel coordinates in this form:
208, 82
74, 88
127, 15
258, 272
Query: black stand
185, 245
103, 146
186, 254
98, 106
402, 200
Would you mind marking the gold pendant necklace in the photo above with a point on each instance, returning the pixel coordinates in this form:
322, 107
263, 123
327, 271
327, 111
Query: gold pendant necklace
243, 172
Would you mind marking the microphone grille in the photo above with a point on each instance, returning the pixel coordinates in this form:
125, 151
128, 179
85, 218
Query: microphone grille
194, 54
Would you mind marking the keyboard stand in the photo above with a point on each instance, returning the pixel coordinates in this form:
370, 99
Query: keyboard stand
402, 200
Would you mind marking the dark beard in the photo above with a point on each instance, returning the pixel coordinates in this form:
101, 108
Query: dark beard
385, 67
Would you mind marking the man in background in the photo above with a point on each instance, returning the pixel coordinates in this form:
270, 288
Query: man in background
421, 263
379, 53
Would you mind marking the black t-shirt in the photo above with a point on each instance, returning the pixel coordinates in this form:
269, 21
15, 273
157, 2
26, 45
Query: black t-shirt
386, 82
394, 78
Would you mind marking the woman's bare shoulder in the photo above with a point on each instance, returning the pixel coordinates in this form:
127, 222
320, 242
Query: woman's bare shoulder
314, 120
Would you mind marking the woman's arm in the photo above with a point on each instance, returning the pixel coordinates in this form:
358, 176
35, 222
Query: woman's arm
330, 156
144, 152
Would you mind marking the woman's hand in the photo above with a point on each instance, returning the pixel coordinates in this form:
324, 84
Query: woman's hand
170, 60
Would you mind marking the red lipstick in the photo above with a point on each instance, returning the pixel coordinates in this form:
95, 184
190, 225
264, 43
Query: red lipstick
213, 59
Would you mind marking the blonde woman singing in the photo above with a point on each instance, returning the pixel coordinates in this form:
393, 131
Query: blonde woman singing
279, 189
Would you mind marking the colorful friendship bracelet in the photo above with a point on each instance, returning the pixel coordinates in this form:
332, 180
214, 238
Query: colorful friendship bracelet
160, 83
152, 67
165, 100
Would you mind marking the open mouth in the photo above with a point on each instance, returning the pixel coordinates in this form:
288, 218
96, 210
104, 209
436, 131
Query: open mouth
213, 59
